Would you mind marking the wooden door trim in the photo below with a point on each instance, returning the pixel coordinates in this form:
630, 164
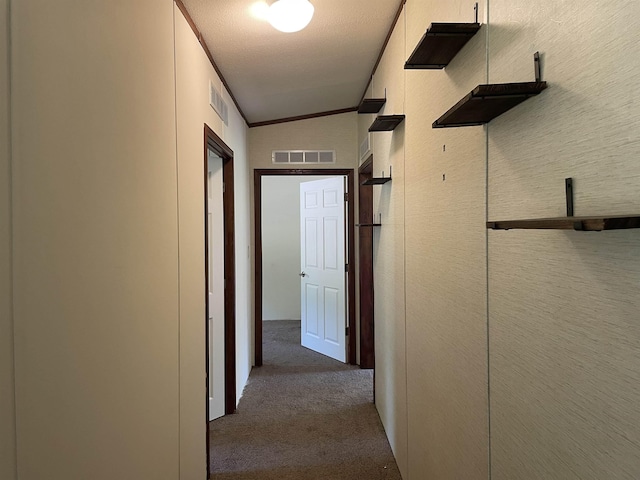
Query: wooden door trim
215, 143
351, 269
365, 267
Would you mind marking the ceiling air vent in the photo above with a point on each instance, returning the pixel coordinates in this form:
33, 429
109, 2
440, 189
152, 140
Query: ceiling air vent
218, 104
303, 156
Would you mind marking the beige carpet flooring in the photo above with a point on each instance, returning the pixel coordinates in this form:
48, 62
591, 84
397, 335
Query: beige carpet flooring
302, 416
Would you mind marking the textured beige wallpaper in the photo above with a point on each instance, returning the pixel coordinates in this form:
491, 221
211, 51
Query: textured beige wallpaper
562, 306
7, 408
446, 260
565, 401
564, 355
388, 251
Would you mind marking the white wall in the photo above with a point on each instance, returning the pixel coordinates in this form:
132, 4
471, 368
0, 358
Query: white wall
281, 246
108, 223
7, 408
193, 73
96, 240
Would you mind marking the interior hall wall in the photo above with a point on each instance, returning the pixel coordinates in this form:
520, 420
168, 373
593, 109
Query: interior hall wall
563, 306
446, 276
96, 302
193, 74
7, 392
281, 246
388, 150
333, 132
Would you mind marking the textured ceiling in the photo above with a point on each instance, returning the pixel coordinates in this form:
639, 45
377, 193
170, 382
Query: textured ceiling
276, 75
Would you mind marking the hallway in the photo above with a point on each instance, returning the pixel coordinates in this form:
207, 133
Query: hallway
302, 416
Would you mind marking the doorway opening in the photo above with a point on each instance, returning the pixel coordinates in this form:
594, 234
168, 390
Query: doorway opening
303, 251
215, 282
216, 150
350, 253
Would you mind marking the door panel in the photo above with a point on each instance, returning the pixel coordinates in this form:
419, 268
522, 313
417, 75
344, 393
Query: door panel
331, 242
311, 307
331, 315
330, 198
311, 242
322, 266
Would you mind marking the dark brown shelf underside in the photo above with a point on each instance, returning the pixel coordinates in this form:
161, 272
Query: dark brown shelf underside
589, 224
371, 105
386, 123
369, 225
486, 102
440, 44
376, 181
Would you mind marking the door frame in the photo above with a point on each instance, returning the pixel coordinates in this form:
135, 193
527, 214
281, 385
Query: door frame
215, 143
365, 266
350, 254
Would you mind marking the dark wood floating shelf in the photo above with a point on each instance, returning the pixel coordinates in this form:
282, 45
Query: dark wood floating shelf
369, 225
440, 44
386, 123
376, 181
371, 105
587, 224
486, 102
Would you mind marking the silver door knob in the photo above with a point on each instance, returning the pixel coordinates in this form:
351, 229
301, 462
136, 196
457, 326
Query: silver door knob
302, 274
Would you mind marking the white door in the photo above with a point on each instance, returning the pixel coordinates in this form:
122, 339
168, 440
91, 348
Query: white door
322, 273
215, 272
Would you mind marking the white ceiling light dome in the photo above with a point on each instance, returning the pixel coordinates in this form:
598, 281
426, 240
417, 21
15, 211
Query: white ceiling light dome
290, 15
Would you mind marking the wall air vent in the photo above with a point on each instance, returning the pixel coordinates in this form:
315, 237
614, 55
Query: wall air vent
218, 104
303, 156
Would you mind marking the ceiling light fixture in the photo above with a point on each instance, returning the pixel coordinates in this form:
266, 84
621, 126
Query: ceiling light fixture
260, 10
290, 15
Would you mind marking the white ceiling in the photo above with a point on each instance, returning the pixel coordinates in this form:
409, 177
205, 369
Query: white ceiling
276, 75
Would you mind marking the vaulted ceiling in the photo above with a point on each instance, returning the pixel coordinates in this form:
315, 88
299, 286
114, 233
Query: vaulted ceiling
275, 75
